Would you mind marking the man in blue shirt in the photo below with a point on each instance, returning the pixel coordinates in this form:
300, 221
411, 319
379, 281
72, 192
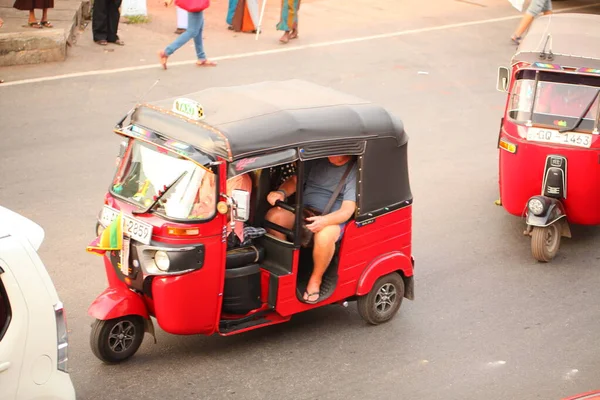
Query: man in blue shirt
321, 178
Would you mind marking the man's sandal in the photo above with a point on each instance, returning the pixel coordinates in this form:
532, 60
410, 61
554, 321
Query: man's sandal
46, 24
308, 296
35, 25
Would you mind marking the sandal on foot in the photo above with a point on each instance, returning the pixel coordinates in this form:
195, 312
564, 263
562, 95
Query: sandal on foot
308, 296
119, 42
35, 24
101, 42
46, 24
206, 63
516, 40
294, 34
163, 58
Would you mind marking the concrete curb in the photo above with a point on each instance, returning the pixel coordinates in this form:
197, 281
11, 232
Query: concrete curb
21, 45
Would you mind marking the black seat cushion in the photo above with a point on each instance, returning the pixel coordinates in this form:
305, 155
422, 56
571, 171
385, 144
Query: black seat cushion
242, 256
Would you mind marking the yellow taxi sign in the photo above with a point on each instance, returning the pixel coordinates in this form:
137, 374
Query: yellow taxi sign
506, 145
188, 108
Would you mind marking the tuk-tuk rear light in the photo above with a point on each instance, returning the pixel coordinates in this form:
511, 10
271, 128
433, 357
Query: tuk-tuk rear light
183, 231
508, 146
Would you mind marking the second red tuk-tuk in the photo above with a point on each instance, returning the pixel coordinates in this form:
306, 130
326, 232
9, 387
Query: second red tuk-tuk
549, 164
172, 260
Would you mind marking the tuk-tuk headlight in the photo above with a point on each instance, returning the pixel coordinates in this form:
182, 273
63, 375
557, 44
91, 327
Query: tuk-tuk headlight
161, 259
536, 206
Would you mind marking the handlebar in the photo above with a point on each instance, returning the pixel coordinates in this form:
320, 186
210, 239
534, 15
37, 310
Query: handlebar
285, 206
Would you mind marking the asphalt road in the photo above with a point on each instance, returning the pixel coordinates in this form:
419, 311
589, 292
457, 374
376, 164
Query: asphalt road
488, 321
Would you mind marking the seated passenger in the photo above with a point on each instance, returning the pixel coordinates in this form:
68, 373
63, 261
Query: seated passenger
321, 178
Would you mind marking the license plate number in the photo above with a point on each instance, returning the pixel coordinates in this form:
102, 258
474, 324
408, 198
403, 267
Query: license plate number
553, 136
132, 227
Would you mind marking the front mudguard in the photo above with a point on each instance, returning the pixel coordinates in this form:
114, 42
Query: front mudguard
117, 302
554, 213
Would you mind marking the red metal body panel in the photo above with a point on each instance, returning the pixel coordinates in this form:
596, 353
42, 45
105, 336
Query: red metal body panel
593, 395
191, 303
521, 174
388, 234
386, 264
117, 300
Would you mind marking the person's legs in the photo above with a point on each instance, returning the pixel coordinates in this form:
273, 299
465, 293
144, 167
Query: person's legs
231, 12
536, 8
99, 21
288, 18
281, 217
323, 251
190, 33
112, 23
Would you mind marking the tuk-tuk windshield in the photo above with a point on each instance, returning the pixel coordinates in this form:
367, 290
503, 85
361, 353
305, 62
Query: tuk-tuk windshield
145, 169
556, 103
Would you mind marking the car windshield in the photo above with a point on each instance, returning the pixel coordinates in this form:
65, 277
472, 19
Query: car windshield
145, 169
556, 104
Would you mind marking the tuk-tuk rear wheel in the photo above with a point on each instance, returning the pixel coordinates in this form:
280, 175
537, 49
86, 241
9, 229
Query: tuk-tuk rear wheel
383, 301
118, 339
545, 242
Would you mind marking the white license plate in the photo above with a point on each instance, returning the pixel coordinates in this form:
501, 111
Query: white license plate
553, 136
132, 227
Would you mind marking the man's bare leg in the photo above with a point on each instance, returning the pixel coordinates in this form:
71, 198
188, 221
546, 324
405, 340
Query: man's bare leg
324, 248
281, 217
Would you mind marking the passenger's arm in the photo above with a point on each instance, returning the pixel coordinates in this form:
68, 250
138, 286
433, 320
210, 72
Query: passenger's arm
288, 187
335, 218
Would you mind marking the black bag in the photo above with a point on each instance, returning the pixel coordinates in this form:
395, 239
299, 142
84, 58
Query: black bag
306, 235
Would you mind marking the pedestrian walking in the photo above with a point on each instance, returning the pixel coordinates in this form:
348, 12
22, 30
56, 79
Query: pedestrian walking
536, 7
105, 22
288, 21
195, 9
31, 6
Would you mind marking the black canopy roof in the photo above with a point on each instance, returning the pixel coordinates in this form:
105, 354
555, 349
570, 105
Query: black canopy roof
574, 41
244, 120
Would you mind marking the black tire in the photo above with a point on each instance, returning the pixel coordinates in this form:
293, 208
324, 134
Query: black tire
116, 340
383, 301
545, 242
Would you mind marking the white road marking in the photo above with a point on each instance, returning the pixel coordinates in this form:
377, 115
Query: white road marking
496, 363
571, 374
285, 49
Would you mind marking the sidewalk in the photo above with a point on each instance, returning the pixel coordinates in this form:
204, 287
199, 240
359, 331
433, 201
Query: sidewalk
319, 21
21, 44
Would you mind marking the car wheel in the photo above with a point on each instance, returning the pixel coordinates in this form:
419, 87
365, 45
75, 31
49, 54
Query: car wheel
383, 301
118, 339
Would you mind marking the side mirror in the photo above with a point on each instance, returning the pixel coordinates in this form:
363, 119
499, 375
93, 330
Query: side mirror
503, 79
241, 201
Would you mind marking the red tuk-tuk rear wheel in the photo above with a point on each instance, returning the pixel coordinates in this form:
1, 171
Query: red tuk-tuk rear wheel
545, 242
383, 301
118, 339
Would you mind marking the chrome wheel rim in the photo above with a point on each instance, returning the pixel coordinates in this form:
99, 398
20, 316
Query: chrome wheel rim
121, 336
385, 298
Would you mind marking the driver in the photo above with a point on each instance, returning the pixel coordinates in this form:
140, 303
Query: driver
565, 100
322, 177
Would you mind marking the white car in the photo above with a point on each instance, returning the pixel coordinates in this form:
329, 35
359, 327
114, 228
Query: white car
33, 331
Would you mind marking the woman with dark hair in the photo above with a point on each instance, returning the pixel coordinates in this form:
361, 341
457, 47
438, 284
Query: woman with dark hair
31, 6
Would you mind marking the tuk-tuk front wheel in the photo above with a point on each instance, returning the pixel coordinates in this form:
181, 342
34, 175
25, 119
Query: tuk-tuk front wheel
118, 339
383, 301
545, 242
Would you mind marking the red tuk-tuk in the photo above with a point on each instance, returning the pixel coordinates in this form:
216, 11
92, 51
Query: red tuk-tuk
173, 261
549, 161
